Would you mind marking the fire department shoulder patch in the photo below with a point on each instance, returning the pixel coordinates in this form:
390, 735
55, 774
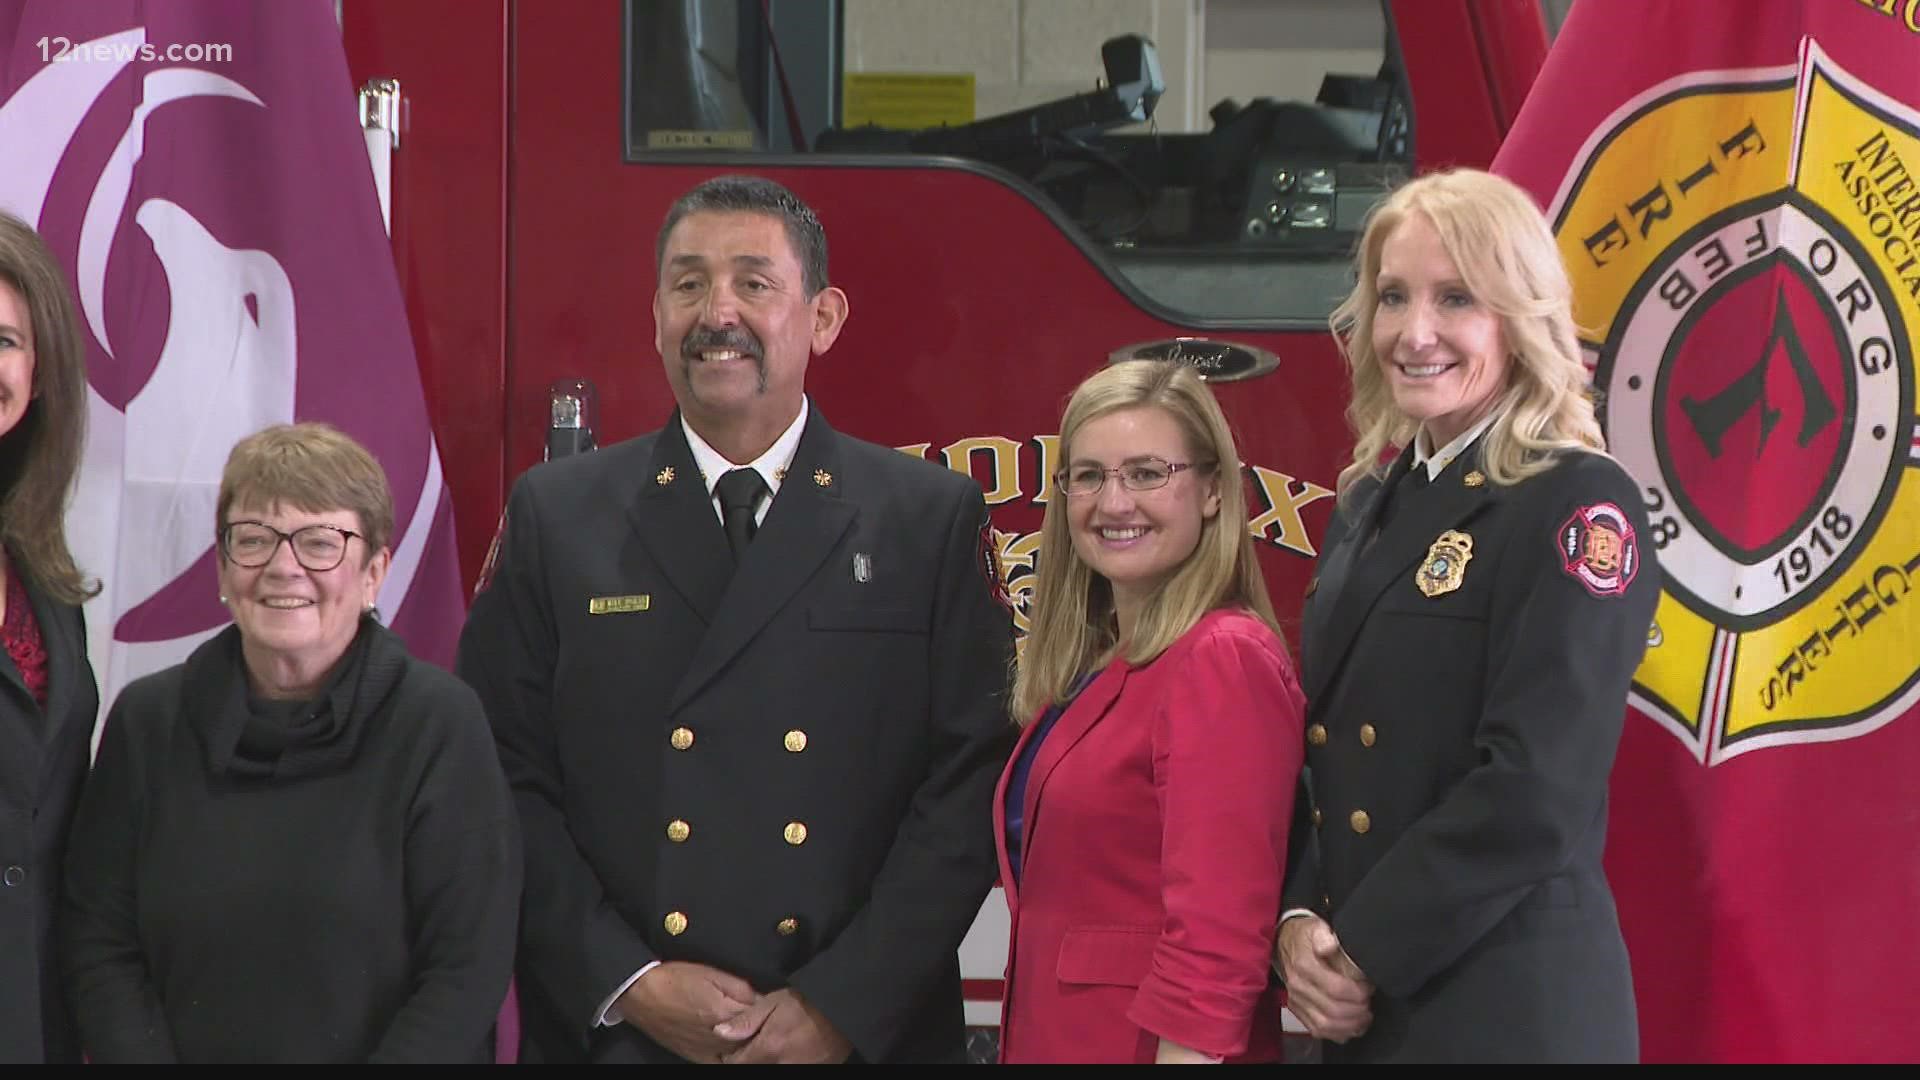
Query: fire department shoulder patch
493, 556
990, 566
1599, 550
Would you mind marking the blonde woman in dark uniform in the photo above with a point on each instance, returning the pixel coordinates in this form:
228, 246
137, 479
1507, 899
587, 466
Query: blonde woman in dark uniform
1483, 599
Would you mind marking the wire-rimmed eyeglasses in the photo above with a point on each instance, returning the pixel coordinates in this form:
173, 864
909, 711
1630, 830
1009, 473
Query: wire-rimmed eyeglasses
1140, 474
253, 544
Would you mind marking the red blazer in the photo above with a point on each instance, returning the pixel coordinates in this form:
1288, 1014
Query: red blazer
1147, 904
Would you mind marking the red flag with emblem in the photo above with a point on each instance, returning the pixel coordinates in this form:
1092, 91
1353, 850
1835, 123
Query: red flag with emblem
1730, 184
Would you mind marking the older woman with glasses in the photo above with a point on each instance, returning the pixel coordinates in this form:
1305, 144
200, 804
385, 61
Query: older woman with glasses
297, 846
1143, 820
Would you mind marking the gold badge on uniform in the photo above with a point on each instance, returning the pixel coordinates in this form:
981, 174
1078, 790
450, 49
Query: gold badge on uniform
1476, 478
1445, 566
823, 478
664, 476
619, 605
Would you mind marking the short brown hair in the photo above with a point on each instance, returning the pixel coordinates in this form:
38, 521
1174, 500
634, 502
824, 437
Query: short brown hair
40, 457
313, 467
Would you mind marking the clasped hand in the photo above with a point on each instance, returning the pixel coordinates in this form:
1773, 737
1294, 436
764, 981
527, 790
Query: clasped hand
1325, 989
710, 1017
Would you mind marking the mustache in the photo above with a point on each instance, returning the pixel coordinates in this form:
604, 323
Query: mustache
732, 339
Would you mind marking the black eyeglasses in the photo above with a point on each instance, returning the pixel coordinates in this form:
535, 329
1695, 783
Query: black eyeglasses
1144, 474
253, 544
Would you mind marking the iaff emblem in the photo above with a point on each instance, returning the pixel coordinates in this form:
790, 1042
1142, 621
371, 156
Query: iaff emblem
1749, 246
1599, 550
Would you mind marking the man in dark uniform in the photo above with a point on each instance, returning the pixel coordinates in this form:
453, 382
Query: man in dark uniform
744, 673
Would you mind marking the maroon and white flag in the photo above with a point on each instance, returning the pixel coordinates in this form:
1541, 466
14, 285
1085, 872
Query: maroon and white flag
198, 167
1735, 185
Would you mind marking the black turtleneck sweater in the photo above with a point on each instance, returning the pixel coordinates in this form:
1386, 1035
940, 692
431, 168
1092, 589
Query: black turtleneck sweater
329, 881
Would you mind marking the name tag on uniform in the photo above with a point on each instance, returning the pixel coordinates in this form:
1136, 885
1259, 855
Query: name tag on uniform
618, 605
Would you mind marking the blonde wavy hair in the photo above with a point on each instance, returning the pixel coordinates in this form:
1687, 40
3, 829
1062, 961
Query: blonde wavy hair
1507, 256
1074, 629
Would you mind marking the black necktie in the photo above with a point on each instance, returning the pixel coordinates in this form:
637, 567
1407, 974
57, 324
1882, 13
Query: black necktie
739, 492
1410, 482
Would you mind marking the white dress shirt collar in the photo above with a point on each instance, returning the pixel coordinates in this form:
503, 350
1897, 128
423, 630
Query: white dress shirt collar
1437, 461
772, 465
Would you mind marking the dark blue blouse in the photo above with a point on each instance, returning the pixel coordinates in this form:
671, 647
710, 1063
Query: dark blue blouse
1017, 783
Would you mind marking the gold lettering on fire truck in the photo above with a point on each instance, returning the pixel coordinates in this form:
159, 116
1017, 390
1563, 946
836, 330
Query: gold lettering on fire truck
1007, 475
1283, 509
1003, 454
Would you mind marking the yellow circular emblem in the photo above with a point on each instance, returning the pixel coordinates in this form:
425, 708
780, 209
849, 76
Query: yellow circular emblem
1746, 253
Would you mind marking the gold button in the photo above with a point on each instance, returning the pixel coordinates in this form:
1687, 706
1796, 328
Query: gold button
795, 833
1316, 817
1367, 734
678, 831
1317, 734
1360, 821
676, 923
796, 741
682, 738
787, 927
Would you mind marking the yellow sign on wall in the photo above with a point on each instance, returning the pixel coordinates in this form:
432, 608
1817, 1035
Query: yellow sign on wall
904, 101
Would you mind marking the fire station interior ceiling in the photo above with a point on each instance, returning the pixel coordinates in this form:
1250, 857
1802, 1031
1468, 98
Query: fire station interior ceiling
1250, 215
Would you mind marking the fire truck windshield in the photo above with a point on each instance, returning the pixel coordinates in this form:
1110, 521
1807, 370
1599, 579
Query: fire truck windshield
1190, 147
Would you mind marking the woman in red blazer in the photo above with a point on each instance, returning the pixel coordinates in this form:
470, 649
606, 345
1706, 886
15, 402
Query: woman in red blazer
1162, 741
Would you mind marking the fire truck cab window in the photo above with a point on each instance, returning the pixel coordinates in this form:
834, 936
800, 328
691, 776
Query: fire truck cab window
1219, 156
